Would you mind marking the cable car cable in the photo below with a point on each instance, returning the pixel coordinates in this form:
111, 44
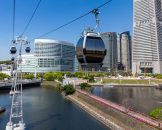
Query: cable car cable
13, 24
53, 30
103, 4
92, 11
27, 25
13, 48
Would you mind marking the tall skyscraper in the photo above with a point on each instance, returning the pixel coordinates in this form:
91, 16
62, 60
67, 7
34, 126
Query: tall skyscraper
118, 49
125, 51
110, 61
147, 37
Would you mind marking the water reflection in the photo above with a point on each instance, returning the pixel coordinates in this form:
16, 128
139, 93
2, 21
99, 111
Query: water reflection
142, 99
46, 109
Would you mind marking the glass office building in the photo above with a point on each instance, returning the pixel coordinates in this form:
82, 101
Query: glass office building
54, 55
110, 41
147, 37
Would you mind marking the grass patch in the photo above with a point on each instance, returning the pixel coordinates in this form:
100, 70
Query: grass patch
131, 81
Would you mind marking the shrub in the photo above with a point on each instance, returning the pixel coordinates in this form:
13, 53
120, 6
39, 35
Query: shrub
84, 85
68, 89
68, 74
156, 113
79, 74
58, 87
158, 76
49, 76
91, 79
28, 76
40, 75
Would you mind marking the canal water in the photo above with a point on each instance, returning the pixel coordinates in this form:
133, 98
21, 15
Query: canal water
46, 109
142, 99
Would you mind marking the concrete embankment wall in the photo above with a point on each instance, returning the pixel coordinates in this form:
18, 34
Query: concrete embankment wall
112, 118
96, 113
7, 86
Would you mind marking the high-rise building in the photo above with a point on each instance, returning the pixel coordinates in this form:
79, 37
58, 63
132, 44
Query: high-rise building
110, 61
147, 37
118, 48
125, 51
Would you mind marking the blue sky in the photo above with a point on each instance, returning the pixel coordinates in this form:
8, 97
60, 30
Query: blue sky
115, 17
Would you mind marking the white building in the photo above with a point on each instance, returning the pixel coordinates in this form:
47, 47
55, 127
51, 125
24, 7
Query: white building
49, 56
54, 55
147, 37
29, 63
6, 69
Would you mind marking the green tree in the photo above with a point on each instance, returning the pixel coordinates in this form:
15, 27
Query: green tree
79, 74
158, 76
91, 79
85, 86
28, 76
68, 89
58, 75
40, 75
7, 62
3, 76
68, 74
49, 76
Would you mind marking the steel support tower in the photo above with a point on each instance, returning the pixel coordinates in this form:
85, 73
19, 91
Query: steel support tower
16, 114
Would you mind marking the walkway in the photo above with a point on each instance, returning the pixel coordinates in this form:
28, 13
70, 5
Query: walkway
108, 121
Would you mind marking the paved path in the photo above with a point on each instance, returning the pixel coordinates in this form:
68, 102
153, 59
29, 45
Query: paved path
98, 115
139, 116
